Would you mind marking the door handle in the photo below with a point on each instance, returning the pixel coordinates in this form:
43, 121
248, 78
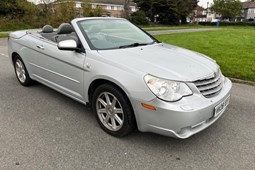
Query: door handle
40, 47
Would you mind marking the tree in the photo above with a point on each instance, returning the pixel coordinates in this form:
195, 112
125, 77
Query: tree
228, 9
185, 8
65, 11
139, 18
15, 8
127, 10
147, 7
6, 7
20, 10
88, 11
167, 11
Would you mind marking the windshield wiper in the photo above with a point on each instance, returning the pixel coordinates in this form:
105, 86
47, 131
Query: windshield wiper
135, 45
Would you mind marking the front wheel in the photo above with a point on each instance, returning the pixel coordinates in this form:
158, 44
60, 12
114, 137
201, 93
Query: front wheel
21, 72
113, 110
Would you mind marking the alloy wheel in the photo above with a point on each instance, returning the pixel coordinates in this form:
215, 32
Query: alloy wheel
110, 111
20, 71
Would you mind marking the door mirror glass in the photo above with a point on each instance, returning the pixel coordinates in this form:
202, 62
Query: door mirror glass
69, 45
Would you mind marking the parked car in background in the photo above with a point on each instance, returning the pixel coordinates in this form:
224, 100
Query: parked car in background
130, 79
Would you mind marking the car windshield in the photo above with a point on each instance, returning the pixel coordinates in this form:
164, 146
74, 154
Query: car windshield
103, 34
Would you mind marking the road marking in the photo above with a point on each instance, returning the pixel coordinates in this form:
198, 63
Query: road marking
4, 55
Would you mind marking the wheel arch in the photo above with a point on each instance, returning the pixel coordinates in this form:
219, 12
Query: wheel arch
27, 80
97, 82
14, 54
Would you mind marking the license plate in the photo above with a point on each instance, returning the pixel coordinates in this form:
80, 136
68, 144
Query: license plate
221, 107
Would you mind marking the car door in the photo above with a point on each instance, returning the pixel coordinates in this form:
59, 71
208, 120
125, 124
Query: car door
61, 70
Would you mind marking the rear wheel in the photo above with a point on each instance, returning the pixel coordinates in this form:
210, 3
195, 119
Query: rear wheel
113, 110
21, 72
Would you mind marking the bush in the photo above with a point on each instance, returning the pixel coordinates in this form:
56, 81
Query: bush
139, 18
9, 24
25, 15
228, 23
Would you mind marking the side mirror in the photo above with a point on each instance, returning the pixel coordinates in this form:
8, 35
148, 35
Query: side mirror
69, 45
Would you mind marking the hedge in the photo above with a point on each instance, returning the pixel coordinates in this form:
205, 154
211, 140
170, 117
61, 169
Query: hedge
228, 23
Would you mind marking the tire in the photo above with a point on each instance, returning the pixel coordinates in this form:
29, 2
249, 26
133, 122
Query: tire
115, 116
21, 72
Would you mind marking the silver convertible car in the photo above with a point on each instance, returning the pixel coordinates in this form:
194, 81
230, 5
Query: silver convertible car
130, 79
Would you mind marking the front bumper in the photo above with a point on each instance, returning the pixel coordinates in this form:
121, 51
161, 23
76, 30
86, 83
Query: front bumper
183, 118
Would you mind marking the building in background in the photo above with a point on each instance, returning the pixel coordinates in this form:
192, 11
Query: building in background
199, 14
248, 11
112, 8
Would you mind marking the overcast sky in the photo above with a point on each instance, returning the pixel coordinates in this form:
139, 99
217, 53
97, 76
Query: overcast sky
203, 3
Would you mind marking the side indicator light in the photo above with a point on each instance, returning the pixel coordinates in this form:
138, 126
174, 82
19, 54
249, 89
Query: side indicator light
148, 106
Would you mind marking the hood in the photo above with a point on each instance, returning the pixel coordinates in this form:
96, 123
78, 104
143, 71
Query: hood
164, 61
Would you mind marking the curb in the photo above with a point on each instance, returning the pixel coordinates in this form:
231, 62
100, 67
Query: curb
235, 80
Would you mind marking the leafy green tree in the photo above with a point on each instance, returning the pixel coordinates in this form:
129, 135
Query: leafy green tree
139, 18
147, 7
6, 7
185, 8
66, 11
21, 11
15, 8
19, 14
97, 12
228, 9
89, 12
167, 11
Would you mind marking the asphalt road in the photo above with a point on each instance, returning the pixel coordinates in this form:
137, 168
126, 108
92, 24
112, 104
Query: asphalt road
43, 129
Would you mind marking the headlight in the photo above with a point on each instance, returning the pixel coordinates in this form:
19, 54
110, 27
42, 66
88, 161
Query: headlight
166, 89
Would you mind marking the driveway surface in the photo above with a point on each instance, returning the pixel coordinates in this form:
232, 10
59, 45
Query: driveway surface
43, 129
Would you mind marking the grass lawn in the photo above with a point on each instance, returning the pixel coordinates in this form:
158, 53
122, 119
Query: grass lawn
233, 49
4, 35
158, 28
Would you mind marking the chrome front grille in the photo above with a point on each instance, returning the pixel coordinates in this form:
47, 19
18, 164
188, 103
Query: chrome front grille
210, 86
